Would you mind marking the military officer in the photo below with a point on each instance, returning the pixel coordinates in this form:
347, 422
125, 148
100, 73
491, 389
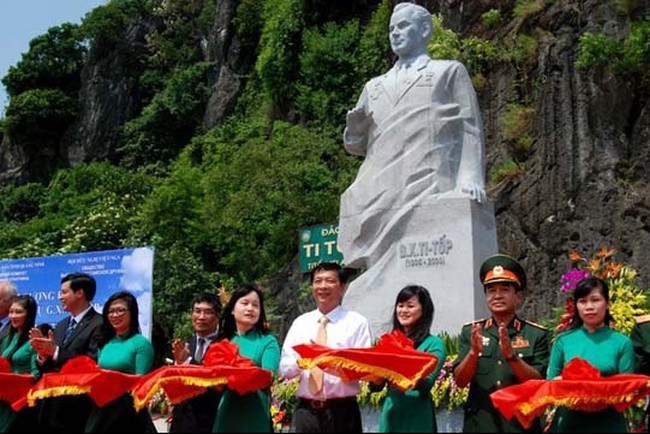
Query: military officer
501, 350
640, 336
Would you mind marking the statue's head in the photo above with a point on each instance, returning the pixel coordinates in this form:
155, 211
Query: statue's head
409, 30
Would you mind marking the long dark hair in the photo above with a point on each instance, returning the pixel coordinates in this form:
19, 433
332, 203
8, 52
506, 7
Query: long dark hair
422, 327
131, 304
28, 303
583, 289
228, 326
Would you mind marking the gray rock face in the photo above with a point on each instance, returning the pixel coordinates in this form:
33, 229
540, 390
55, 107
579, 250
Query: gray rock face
109, 97
224, 48
13, 161
586, 181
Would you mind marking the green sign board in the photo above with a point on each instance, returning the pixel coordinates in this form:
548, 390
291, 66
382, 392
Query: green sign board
318, 244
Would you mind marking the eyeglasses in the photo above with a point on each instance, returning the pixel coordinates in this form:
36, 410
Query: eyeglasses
117, 311
199, 311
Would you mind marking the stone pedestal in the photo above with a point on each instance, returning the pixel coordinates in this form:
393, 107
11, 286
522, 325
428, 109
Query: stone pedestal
441, 248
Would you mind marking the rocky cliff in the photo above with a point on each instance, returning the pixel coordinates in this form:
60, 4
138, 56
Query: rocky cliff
584, 181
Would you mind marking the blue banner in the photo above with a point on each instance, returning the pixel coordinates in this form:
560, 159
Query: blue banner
114, 270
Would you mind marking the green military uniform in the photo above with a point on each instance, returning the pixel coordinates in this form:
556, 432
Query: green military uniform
640, 337
529, 342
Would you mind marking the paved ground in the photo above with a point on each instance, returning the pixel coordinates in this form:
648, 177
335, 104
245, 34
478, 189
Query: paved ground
447, 421
160, 423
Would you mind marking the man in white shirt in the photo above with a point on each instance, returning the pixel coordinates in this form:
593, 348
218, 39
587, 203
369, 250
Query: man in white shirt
326, 403
7, 293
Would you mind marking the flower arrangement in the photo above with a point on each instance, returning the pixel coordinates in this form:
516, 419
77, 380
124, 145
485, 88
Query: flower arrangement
627, 299
224, 295
283, 402
368, 397
445, 392
160, 404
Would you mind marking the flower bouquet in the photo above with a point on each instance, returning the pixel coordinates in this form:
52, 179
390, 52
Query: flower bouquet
627, 299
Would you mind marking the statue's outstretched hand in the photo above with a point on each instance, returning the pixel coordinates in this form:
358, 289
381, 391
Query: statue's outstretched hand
358, 120
475, 191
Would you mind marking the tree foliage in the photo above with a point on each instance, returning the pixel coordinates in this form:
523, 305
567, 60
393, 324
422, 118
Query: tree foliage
328, 81
277, 63
223, 205
106, 25
259, 193
627, 56
40, 114
374, 53
238, 196
170, 120
185, 24
86, 208
54, 61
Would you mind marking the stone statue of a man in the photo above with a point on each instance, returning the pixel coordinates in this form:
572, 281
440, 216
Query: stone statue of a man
420, 131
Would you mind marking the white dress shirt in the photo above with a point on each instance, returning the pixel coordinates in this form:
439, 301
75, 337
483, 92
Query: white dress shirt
345, 330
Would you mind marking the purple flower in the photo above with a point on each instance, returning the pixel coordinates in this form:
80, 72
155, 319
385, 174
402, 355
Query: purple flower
571, 278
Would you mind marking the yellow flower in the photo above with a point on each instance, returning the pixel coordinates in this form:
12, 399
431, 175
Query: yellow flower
626, 298
224, 295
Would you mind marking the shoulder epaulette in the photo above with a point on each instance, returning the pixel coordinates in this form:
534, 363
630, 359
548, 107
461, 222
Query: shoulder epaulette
475, 321
534, 324
643, 318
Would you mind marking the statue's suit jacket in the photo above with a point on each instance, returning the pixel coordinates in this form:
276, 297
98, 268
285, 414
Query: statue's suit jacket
425, 138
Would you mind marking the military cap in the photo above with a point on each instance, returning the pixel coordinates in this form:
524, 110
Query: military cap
502, 268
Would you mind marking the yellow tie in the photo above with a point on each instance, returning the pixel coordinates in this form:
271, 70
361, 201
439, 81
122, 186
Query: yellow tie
316, 374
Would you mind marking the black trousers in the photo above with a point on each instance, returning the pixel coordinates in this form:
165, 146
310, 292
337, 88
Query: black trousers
337, 415
65, 414
196, 414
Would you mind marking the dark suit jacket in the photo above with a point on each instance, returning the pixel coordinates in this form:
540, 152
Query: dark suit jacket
69, 413
4, 328
196, 414
85, 340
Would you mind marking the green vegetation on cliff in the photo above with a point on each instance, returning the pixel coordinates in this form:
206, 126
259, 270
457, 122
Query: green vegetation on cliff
224, 205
